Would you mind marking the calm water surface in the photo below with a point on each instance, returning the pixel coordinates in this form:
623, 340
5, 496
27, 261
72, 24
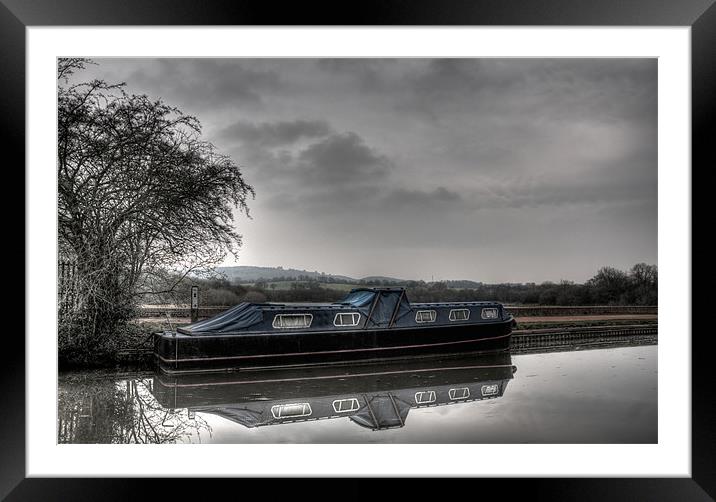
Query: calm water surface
590, 396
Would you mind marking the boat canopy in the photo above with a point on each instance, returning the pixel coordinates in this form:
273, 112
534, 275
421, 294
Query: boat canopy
382, 411
359, 298
239, 317
381, 306
390, 305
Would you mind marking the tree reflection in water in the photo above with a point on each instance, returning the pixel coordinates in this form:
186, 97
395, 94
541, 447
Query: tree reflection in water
107, 410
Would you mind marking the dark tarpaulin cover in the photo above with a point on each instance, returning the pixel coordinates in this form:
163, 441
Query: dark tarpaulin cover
359, 298
241, 316
385, 411
384, 307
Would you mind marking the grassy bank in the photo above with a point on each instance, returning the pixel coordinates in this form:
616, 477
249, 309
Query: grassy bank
127, 347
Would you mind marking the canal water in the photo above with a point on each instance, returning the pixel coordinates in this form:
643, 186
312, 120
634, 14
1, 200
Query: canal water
585, 396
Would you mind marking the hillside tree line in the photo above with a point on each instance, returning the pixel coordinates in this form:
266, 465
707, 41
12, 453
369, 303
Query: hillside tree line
609, 286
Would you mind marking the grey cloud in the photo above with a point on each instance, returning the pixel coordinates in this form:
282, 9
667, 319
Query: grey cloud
369, 75
517, 161
353, 66
601, 184
343, 157
420, 199
536, 89
275, 134
202, 83
564, 193
317, 166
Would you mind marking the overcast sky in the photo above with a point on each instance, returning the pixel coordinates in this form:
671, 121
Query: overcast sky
496, 170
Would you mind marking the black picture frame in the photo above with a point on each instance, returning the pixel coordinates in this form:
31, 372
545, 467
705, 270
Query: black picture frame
700, 15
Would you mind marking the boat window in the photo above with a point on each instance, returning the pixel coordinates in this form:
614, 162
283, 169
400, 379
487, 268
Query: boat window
292, 320
490, 390
345, 405
461, 393
425, 397
349, 319
490, 313
425, 316
459, 315
291, 410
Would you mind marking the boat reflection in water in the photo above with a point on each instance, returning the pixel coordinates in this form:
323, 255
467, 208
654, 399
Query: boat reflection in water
375, 396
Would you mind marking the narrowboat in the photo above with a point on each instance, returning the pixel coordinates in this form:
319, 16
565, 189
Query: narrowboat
376, 395
368, 324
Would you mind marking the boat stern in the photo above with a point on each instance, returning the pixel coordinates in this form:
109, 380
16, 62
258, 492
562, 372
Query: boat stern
165, 348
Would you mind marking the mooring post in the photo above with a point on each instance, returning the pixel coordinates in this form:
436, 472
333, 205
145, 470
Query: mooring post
194, 303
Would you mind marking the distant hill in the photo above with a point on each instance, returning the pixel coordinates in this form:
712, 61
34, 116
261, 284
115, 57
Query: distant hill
381, 278
463, 284
244, 274
250, 274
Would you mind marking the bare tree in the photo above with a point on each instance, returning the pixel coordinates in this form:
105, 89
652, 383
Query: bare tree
106, 410
610, 286
142, 199
645, 282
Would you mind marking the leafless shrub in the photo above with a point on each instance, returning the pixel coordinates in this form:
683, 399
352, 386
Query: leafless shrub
142, 202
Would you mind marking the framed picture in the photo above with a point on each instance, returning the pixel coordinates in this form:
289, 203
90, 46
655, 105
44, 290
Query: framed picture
35, 34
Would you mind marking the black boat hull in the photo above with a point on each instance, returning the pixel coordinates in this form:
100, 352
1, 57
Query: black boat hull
176, 353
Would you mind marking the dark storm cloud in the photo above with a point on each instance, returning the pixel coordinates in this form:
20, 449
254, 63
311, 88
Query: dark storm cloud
537, 90
201, 83
367, 74
368, 198
523, 169
533, 90
439, 198
274, 134
343, 157
558, 193
548, 192
453, 75
314, 165
442, 77
353, 66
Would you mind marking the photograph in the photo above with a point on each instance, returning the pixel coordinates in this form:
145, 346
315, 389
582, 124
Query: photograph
420, 240
445, 250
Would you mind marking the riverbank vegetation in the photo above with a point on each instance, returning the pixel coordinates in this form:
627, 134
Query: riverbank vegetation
609, 286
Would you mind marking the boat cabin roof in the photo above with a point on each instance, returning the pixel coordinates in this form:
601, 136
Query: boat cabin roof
381, 306
376, 289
